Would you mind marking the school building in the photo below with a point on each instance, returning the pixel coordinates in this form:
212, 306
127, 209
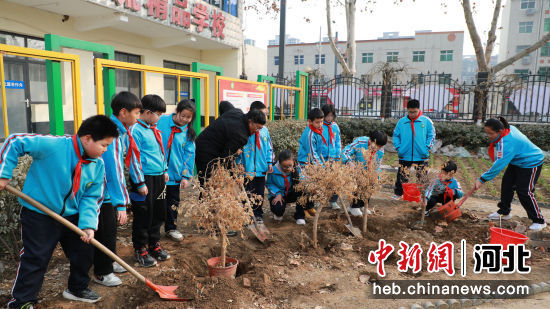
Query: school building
160, 33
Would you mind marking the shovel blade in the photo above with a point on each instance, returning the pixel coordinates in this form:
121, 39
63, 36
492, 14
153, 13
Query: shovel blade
448, 207
262, 234
166, 292
355, 231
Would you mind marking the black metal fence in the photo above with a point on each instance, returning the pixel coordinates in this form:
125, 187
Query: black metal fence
523, 98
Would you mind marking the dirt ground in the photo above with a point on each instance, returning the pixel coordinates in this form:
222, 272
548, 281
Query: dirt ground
288, 272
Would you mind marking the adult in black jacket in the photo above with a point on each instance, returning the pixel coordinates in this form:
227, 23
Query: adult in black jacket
225, 106
224, 137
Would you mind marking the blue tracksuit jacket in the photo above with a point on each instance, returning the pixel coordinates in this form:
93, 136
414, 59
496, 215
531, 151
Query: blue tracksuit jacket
151, 156
115, 186
49, 179
353, 151
275, 182
516, 149
417, 149
438, 187
257, 162
181, 157
311, 147
333, 149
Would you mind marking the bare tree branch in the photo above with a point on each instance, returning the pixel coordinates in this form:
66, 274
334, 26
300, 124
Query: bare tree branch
491, 38
345, 67
521, 54
476, 40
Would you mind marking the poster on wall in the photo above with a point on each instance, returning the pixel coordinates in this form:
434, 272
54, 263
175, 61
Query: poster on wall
241, 94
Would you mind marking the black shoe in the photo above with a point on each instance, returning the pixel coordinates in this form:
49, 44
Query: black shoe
231, 233
143, 258
86, 295
158, 253
259, 220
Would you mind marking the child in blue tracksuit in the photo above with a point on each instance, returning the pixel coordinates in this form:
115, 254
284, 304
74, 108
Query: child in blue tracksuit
148, 184
67, 176
413, 138
354, 153
280, 186
178, 139
332, 150
312, 140
444, 189
257, 158
126, 107
523, 161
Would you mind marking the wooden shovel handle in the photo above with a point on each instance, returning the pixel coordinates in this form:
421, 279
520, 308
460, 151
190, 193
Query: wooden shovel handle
75, 229
465, 197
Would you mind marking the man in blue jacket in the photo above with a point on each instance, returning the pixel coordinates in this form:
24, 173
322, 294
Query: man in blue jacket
413, 138
67, 176
257, 157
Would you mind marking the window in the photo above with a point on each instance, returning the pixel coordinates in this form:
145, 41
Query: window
128, 80
519, 48
527, 4
392, 56
229, 6
367, 57
527, 26
544, 74
523, 74
446, 55
418, 56
217, 3
276, 60
444, 79
322, 59
171, 83
545, 50
298, 59
546, 24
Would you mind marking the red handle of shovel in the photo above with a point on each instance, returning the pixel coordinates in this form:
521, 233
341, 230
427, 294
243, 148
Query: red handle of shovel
80, 232
465, 197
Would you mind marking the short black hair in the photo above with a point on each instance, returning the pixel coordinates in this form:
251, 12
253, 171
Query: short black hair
285, 155
153, 103
224, 107
257, 105
329, 108
256, 116
315, 113
413, 103
127, 100
379, 137
99, 127
449, 166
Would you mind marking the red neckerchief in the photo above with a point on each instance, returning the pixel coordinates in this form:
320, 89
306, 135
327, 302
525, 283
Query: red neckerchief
258, 144
448, 191
78, 168
175, 129
132, 149
492, 146
413, 120
287, 184
330, 133
158, 136
371, 155
320, 132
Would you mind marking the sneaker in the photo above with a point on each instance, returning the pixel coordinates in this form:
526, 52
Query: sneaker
301, 222
397, 197
368, 210
259, 220
175, 235
158, 253
277, 218
231, 233
312, 212
117, 268
334, 205
537, 226
143, 258
496, 216
108, 280
426, 213
86, 295
356, 212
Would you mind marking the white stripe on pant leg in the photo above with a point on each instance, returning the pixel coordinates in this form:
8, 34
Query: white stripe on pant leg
17, 275
531, 195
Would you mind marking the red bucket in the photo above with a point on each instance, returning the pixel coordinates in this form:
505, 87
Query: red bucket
411, 192
506, 237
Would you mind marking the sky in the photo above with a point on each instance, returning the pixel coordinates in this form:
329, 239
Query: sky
406, 17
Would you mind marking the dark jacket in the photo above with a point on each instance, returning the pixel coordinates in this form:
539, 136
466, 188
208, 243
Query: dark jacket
222, 138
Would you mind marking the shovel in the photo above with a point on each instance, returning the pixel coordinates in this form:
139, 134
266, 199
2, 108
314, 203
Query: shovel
259, 230
450, 211
165, 292
353, 230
